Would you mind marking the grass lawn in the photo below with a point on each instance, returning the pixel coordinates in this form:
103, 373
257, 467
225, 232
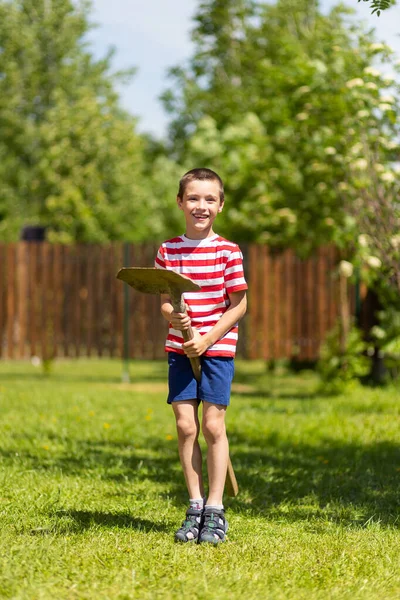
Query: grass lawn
91, 490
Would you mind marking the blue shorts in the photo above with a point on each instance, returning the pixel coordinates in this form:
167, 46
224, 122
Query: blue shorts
215, 384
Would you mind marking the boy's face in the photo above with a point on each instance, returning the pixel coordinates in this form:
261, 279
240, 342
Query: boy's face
200, 205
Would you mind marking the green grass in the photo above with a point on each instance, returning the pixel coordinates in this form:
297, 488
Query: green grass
91, 489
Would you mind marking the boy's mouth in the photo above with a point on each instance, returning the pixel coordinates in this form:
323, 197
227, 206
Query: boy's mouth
201, 217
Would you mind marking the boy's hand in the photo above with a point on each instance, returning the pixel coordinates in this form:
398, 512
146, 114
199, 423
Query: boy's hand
196, 346
179, 321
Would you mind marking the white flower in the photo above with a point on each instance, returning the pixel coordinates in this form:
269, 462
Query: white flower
379, 168
317, 167
377, 46
385, 106
304, 89
343, 186
363, 240
388, 177
345, 268
395, 241
388, 98
288, 214
378, 332
357, 82
356, 149
330, 150
36, 362
360, 164
302, 116
374, 262
371, 85
362, 114
388, 78
372, 71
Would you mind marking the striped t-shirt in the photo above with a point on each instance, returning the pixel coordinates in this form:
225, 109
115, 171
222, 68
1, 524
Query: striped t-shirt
217, 266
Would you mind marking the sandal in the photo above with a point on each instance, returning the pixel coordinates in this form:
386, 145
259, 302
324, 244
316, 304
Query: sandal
190, 528
214, 527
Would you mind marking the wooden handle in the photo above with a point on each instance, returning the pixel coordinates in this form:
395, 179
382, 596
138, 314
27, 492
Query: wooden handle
178, 304
195, 361
231, 484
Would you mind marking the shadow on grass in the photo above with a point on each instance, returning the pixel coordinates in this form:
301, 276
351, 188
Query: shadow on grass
347, 483
85, 519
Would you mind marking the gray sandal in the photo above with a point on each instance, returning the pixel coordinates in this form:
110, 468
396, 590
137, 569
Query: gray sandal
214, 527
190, 528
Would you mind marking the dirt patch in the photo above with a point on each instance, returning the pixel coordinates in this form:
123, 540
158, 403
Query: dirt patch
242, 388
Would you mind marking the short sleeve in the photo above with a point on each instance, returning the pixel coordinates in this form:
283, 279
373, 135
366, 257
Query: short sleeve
159, 261
234, 274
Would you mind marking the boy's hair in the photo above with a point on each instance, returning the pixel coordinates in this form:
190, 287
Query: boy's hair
201, 174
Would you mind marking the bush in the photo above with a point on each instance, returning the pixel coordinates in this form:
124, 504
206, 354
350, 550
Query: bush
338, 368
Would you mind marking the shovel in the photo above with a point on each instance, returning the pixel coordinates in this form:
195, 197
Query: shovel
161, 281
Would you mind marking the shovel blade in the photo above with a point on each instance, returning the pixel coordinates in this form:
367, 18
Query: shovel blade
156, 281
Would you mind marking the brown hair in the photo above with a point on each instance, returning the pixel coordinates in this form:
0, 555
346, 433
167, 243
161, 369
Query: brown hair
201, 174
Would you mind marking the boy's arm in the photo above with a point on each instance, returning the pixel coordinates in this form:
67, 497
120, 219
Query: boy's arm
179, 321
199, 344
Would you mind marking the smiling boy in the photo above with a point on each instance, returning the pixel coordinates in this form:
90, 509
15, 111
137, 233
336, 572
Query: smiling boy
217, 266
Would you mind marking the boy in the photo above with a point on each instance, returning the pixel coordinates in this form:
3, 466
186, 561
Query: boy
216, 265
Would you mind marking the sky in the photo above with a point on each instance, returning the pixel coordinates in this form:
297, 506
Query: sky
154, 35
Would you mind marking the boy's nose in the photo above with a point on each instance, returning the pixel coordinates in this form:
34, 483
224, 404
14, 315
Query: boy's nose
202, 203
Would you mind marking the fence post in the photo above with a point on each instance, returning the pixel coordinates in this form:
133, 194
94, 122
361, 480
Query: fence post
125, 354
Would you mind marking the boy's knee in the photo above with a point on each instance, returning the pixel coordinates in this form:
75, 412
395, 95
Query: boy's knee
213, 430
187, 428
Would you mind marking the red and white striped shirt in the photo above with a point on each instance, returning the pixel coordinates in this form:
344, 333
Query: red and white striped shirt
217, 266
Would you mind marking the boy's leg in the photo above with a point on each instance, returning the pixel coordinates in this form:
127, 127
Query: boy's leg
215, 525
188, 427
214, 432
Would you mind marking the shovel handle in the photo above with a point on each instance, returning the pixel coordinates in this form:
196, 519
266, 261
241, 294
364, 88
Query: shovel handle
178, 304
194, 361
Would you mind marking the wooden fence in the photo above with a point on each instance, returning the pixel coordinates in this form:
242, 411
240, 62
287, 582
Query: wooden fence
66, 301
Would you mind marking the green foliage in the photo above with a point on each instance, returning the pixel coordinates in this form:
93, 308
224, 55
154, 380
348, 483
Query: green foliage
378, 5
386, 336
340, 367
69, 157
279, 99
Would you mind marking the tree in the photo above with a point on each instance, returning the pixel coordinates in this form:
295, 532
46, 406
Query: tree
69, 156
278, 99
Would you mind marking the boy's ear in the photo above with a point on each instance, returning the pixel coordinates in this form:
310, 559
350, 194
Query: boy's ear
221, 206
179, 202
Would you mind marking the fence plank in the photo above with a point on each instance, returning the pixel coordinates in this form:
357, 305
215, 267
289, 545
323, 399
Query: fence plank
3, 296
253, 302
289, 302
11, 299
